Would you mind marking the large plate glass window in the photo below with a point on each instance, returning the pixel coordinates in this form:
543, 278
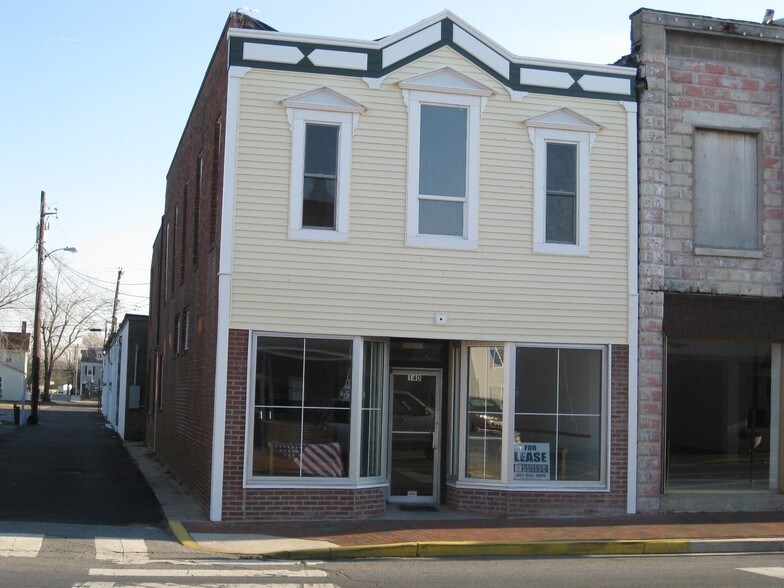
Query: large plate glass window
374, 376
302, 407
484, 412
560, 398
723, 416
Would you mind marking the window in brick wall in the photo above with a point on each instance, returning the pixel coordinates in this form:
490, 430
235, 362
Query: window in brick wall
184, 232
186, 327
177, 333
197, 208
216, 143
726, 190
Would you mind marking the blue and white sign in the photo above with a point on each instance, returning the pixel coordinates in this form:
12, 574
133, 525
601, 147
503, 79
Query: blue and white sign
532, 461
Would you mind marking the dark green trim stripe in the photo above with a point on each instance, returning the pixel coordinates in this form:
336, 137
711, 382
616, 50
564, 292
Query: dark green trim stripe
375, 69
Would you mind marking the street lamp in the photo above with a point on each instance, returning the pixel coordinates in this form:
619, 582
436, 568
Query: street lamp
39, 286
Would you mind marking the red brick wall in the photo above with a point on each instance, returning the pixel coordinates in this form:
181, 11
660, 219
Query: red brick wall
179, 426
520, 504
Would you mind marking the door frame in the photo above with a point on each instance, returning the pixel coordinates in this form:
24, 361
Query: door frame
437, 424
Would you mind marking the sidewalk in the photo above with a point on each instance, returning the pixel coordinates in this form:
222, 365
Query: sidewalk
446, 533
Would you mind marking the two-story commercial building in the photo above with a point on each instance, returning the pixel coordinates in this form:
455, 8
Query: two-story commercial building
398, 271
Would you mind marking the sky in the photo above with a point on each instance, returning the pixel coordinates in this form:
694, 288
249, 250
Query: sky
94, 97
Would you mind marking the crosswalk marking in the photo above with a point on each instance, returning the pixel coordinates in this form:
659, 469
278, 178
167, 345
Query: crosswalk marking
121, 551
221, 585
20, 545
772, 572
164, 573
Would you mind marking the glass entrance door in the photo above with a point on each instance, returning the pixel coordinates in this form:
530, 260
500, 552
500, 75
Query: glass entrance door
415, 435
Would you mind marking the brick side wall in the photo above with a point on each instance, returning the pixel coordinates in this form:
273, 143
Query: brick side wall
526, 503
179, 420
724, 80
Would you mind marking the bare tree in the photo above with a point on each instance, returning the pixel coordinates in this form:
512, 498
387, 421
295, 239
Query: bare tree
70, 308
16, 281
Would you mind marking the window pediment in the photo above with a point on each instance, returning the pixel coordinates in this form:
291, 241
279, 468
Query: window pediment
564, 119
323, 99
446, 80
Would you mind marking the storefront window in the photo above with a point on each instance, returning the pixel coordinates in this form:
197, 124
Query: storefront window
558, 415
484, 407
302, 408
372, 408
721, 421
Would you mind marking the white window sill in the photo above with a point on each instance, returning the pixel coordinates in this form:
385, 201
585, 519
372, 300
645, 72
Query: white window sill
561, 249
743, 253
324, 235
278, 482
439, 242
532, 486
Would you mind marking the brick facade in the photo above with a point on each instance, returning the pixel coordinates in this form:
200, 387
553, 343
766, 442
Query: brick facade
518, 504
184, 282
699, 72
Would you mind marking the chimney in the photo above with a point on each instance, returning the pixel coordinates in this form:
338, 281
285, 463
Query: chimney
24, 327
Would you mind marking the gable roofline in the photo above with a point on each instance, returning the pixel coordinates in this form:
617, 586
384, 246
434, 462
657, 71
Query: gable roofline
373, 60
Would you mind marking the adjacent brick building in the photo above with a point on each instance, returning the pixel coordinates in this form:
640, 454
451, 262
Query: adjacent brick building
710, 276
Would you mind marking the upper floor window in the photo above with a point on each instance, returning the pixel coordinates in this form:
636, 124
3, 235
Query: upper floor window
322, 124
726, 193
562, 143
444, 110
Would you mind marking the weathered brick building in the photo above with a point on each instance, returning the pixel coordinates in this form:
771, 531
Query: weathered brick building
710, 274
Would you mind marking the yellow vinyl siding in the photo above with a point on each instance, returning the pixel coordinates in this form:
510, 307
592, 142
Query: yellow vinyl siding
374, 284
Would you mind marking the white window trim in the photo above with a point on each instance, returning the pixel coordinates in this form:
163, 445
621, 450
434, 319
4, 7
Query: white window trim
506, 482
582, 141
562, 126
444, 87
299, 119
352, 480
321, 106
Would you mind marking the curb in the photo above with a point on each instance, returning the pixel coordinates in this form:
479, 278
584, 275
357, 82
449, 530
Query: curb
505, 548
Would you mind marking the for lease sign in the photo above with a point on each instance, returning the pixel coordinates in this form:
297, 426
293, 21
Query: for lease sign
532, 461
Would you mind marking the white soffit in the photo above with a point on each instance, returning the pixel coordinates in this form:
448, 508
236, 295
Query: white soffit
481, 51
410, 45
273, 53
340, 59
549, 79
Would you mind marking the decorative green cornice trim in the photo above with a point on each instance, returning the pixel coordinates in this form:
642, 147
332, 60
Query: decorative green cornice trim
276, 51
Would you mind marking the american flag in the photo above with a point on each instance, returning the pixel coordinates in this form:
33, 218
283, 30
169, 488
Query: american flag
316, 459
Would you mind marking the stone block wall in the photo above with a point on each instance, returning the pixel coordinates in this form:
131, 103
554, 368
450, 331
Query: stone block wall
697, 72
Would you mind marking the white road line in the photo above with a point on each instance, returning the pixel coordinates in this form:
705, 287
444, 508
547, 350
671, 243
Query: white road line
121, 551
221, 585
163, 573
20, 545
772, 572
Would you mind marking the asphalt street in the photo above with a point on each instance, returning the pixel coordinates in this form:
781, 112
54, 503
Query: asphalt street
72, 468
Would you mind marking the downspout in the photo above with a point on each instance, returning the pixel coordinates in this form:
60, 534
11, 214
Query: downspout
226, 245
634, 308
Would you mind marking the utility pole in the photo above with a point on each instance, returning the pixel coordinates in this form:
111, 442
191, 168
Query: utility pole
116, 299
39, 286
